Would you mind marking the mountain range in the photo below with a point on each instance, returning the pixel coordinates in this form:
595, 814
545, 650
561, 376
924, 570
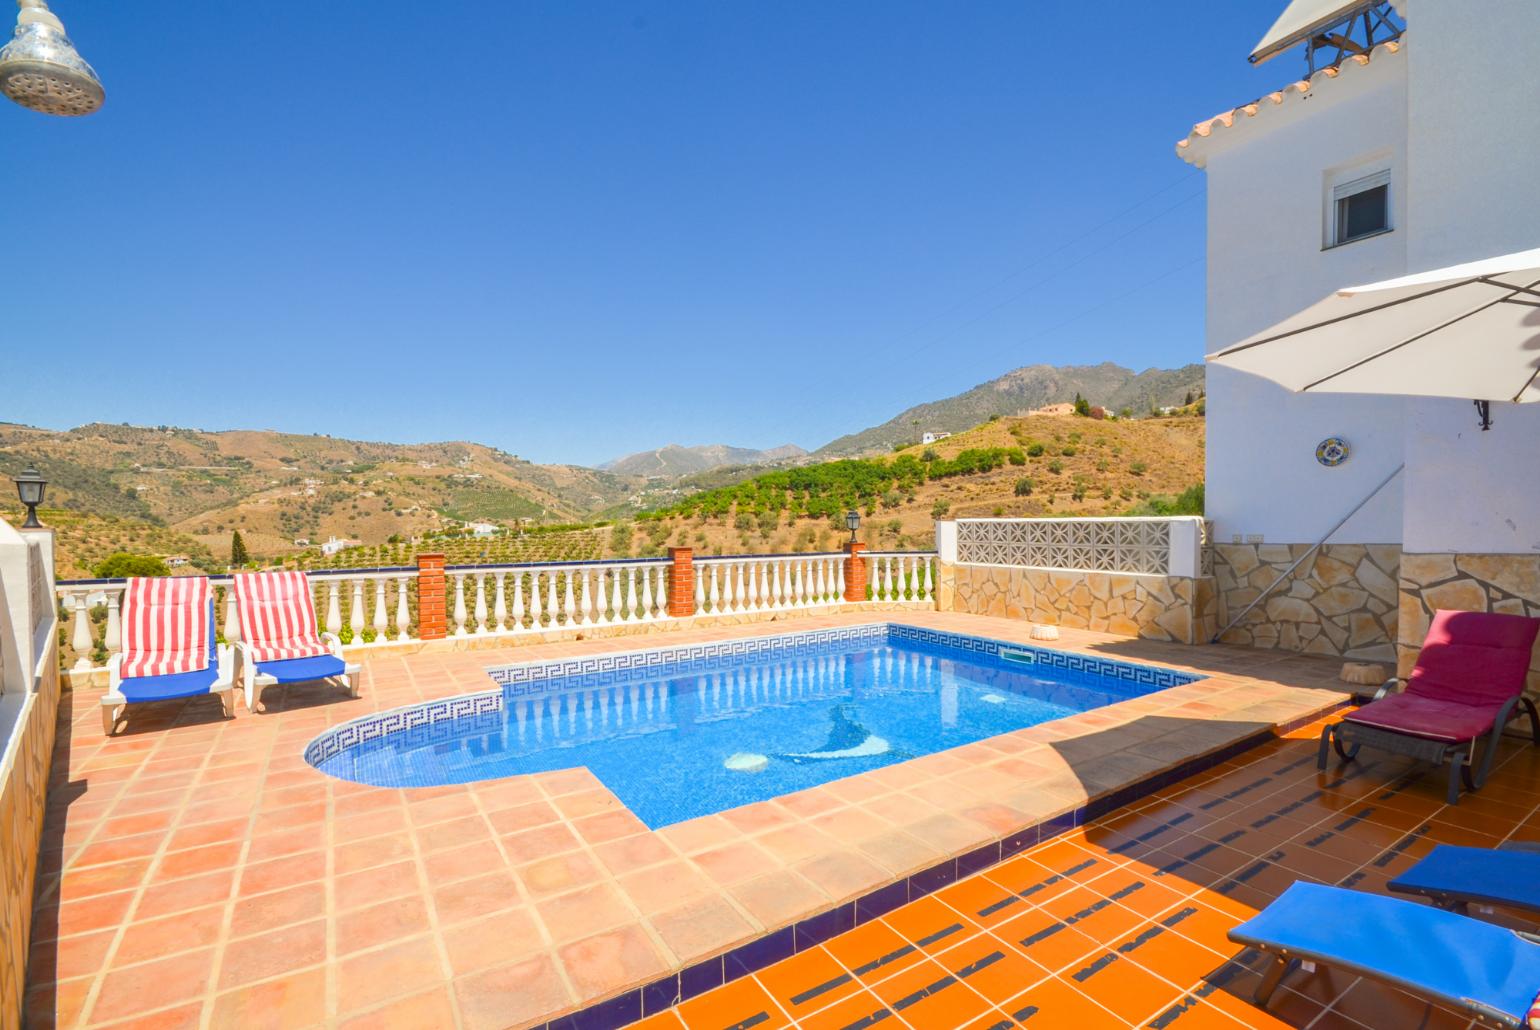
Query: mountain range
1026, 389
165, 489
673, 461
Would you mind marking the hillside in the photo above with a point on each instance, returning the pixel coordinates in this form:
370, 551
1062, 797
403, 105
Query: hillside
277, 488
674, 461
1025, 389
1039, 465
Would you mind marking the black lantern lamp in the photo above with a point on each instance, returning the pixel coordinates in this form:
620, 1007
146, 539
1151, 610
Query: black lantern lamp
30, 485
853, 523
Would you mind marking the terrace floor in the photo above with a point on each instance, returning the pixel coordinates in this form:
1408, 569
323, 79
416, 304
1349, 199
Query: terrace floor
1122, 922
197, 871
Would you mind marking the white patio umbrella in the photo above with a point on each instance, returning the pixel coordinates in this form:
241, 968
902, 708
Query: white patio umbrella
1470, 331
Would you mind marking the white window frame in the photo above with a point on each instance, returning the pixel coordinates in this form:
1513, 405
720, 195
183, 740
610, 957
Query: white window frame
1341, 187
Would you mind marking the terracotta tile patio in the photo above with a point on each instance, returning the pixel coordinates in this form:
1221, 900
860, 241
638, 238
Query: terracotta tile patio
1122, 923
196, 870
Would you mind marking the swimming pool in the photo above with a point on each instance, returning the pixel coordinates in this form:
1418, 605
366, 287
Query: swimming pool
686, 731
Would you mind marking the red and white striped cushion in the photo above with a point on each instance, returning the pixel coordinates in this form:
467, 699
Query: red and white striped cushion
165, 626
278, 616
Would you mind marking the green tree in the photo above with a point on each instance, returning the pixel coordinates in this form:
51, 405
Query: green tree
1082, 406
123, 564
238, 555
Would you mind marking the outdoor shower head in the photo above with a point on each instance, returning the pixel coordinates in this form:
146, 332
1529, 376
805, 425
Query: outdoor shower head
40, 69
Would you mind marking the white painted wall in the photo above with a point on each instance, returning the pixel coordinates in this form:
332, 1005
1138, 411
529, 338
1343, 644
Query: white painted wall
1474, 151
1267, 181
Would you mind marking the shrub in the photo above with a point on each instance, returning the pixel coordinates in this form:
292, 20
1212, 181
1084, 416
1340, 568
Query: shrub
1056, 466
1082, 406
123, 564
999, 510
1023, 487
1035, 449
940, 508
1016, 456
1069, 451
1137, 468
930, 455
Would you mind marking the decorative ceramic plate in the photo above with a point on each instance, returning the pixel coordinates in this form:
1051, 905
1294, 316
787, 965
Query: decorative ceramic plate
1332, 451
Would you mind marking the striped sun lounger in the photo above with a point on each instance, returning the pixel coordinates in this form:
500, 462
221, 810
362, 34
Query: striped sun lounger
280, 641
169, 648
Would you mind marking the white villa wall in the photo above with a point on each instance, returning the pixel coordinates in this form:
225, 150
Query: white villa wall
1266, 186
1473, 151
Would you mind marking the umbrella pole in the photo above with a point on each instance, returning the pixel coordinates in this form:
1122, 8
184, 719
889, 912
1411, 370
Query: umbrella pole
1308, 552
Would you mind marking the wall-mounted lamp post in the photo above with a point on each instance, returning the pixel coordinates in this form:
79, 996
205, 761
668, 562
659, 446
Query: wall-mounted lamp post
853, 523
39, 68
31, 486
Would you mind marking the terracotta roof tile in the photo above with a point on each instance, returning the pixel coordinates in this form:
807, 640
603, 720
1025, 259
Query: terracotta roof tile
1294, 91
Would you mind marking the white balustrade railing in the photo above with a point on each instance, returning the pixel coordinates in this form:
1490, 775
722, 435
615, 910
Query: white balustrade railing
368, 607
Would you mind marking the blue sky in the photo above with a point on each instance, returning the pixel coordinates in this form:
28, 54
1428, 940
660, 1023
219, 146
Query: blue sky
576, 230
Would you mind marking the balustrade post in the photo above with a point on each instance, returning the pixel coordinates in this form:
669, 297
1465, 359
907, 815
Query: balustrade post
500, 605
585, 596
552, 611
646, 594
569, 606
460, 614
798, 597
232, 616
601, 599
615, 602
714, 594
535, 603
481, 602
839, 580
925, 585
775, 582
113, 638
356, 611
855, 572
631, 593
80, 639
432, 622
661, 572
381, 618
518, 599
333, 608
403, 610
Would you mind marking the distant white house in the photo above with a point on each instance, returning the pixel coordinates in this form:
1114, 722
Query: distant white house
482, 528
176, 561
333, 545
933, 437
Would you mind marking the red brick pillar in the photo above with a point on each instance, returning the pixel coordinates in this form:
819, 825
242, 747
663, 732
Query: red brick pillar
432, 624
681, 582
855, 572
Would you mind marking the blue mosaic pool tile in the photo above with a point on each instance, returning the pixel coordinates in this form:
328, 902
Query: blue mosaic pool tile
357, 731
1151, 676
978, 858
814, 930
700, 978
756, 955
607, 1015
881, 901
601, 670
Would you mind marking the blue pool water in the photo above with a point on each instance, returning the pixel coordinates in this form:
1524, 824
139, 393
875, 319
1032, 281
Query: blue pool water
694, 730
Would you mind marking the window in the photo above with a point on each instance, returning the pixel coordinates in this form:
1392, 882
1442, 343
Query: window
1360, 208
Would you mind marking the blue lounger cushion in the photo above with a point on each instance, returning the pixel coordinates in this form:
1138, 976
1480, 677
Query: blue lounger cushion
1467, 964
1452, 874
166, 688
302, 670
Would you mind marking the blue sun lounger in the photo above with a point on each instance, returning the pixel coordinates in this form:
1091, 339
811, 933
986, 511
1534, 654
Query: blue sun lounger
1454, 877
1467, 965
